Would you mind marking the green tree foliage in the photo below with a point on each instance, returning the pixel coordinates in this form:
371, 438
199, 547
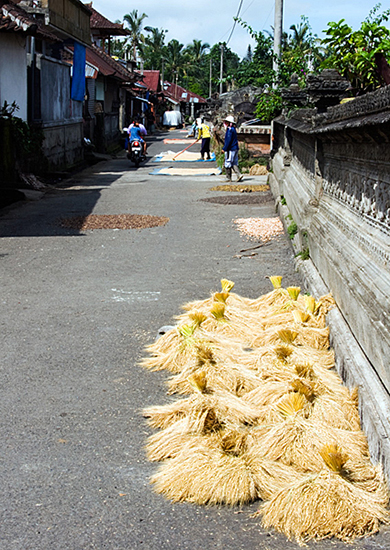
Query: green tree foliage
174, 60
355, 53
301, 54
231, 62
134, 24
256, 68
269, 106
152, 49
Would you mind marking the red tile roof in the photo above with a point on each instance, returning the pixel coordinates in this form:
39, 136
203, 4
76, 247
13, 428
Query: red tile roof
101, 23
152, 80
15, 19
107, 65
178, 93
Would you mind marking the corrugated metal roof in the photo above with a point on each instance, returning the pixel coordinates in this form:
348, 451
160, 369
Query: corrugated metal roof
180, 94
152, 80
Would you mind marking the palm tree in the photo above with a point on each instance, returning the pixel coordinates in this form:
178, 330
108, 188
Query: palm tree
196, 51
152, 49
134, 23
173, 53
301, 36
194, 60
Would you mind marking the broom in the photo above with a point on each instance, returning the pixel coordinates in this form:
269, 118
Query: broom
174, 158
210, 475
222, 374
224, 406
326, 505
296, 441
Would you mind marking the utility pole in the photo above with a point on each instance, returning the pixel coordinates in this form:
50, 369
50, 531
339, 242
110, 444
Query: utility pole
278, 32
221, 70
162, 74
211, 75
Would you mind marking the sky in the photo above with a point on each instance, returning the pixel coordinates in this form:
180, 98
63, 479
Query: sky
212, 20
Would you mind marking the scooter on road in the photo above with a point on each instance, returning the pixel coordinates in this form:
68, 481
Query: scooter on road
136, 152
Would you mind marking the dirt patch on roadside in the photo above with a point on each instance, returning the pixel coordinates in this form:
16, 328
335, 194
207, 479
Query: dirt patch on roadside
244, 198
112, 221
241, 188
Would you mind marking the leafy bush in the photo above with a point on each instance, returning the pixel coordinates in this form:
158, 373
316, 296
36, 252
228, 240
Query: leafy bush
269, 106
355, 54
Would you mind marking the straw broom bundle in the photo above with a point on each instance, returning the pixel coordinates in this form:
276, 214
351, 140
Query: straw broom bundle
295, 441
337, 410
291, 402
169, 442
176, 347
207, 475
225, 376
326, 505
224, 406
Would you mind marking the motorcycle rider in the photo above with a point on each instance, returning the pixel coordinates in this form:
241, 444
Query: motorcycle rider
135, 133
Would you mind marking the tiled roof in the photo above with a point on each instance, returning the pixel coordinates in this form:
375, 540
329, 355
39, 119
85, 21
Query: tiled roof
178, 93
14, 19
107, 65
152, 80
99, 22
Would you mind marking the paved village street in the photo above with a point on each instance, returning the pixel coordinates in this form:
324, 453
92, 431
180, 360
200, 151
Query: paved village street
77, 310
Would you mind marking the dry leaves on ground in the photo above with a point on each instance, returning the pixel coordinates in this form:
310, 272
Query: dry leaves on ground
241, 188
263, 229
112, 221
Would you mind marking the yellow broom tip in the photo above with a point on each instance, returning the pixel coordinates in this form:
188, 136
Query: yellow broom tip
186, 331
198, 381
291, 404
304, 387
218, 311
305, 370
276, 281
334, 458
226, 285
197, 317
300, 317
221, 297
294, 292
287, 335
283, 352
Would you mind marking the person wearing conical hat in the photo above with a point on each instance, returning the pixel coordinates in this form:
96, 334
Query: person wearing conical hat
230, 149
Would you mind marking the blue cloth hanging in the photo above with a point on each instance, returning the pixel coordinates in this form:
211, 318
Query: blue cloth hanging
78, 78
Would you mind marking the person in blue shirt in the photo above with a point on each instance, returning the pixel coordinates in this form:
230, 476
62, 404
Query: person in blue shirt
230, 149
136, 133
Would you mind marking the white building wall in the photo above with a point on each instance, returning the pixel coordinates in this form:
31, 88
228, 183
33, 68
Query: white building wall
13, 72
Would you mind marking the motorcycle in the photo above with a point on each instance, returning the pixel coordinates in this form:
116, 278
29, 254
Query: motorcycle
135, 152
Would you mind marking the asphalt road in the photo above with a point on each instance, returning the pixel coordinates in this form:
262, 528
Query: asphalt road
77, 309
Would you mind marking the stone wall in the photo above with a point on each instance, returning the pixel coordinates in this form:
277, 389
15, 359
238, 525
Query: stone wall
333, 171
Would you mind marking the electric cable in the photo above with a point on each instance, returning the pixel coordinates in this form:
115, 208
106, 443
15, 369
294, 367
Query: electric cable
235, 21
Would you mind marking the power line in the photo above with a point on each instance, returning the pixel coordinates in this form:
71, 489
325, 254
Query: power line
235, 21
272, 9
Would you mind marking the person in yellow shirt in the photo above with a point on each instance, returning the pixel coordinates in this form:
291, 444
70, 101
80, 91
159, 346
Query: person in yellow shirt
204, 133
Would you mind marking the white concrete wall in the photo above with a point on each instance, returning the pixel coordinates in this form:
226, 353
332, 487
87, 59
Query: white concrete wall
13, 72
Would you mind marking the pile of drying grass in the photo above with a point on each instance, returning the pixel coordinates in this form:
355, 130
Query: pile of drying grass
265, 416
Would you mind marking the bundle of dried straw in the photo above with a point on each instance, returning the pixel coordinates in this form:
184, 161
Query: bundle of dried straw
266, 416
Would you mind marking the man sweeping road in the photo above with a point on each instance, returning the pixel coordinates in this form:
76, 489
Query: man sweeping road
204, 133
